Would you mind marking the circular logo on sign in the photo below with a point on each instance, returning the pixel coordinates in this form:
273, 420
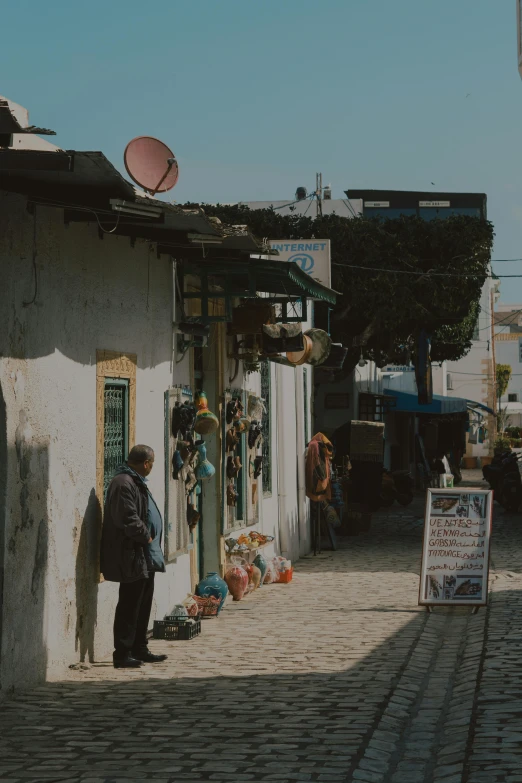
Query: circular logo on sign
303, 260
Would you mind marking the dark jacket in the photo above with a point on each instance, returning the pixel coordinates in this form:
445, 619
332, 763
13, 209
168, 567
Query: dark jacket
125, 534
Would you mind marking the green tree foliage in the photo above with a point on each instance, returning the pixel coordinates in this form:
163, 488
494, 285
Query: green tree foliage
502, 375
384, 311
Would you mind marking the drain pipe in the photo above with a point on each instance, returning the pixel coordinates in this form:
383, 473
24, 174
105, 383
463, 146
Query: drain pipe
284, 541
302, 521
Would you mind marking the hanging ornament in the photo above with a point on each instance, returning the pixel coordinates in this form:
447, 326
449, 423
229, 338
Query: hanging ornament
206, 421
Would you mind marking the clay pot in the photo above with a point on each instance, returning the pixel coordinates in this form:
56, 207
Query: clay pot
206, 421
213, 586
261, 564
256, 577
237, 581
470, 463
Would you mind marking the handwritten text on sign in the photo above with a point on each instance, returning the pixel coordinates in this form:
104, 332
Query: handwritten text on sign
455, 556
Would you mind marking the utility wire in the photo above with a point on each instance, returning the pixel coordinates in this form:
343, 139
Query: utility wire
419, 274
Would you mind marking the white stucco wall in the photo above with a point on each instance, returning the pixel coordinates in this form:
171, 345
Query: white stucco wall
473, 376
92, 294
508, 351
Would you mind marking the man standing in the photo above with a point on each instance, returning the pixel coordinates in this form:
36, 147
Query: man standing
131, 554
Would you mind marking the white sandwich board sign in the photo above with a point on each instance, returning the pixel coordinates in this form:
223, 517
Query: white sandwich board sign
455, 553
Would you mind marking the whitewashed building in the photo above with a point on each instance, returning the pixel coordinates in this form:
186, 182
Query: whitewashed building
96, 345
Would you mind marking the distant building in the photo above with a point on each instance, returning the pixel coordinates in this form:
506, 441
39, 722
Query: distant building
508, 350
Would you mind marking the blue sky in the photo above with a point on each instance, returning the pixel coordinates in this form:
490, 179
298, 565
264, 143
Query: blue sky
255, 97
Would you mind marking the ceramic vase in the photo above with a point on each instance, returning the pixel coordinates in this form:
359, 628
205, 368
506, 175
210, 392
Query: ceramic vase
256, 577
261, 563
204, 469
237, 581
213, 585
180, 612
206, 421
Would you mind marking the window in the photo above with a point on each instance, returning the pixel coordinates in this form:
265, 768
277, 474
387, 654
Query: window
266, 427
449, 382
372, 407
476, 331
115, 427
115, 414
512, 397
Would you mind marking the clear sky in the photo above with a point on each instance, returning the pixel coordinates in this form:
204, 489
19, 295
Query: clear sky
255, 96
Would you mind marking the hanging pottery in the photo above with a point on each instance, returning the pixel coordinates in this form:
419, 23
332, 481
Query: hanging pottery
321, 347
237, 581
256, 407
206, 421
301, 357
232, 495
261, 563
213, 585
242, 424
232, 439
254, 434
183, 418
258, 466
204, 469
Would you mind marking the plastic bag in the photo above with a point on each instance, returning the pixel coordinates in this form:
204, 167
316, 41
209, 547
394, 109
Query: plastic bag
271, 575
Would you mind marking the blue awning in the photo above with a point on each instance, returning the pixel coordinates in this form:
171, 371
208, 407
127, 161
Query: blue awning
474, 405
408, 403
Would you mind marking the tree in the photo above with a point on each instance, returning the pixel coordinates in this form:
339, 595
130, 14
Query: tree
502, 377
397, 276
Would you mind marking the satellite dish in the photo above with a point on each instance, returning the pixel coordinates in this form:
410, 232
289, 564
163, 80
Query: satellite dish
151, 164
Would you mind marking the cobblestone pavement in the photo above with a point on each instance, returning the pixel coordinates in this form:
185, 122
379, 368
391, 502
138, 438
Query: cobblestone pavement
337, 677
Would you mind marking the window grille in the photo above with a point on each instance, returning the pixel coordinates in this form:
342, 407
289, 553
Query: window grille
115, 427
372, 407
266, 427
512, 397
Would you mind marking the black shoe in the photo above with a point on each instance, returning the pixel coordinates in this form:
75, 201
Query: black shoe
145, 656
128, 662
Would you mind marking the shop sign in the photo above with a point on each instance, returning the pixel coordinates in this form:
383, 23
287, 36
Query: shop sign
312, 255
376, 204
455, 553
399, 368
434, 203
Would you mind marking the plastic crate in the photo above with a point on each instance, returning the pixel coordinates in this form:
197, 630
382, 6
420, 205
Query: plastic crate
174, 631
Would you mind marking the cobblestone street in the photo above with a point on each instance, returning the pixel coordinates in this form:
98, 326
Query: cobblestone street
337, 677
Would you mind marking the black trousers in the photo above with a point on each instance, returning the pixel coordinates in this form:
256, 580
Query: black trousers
131, 620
